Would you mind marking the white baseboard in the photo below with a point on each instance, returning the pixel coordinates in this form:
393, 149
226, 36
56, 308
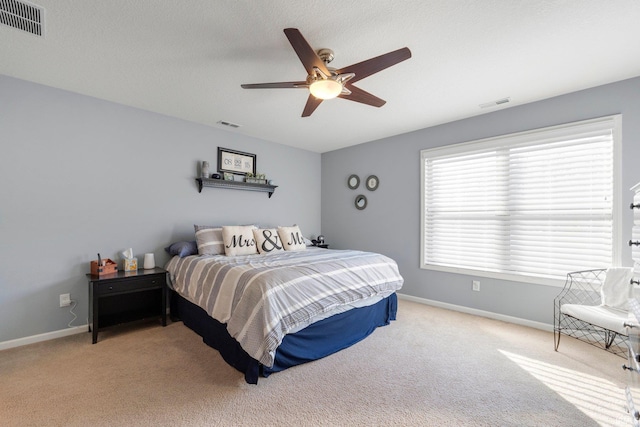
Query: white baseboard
84, 328
482, 313
43, 337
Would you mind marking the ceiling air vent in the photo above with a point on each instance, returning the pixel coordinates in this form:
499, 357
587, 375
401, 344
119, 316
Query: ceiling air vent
233, 125
495, 103
23, 16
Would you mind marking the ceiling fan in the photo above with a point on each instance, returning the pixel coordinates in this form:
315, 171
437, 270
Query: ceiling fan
326, 83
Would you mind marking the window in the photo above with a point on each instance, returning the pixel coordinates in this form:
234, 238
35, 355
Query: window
530, 206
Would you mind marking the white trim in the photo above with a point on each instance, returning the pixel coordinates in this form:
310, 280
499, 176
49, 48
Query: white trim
5, 345
422, 213
510, 319
617, 236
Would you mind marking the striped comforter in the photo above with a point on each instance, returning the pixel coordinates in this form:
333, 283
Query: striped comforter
263, 297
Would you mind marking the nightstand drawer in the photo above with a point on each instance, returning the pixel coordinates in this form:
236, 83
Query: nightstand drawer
129, 285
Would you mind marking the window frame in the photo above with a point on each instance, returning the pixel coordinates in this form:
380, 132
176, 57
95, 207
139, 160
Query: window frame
519, 138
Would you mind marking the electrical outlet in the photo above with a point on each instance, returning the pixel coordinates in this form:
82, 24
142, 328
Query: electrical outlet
65, 300
476, 285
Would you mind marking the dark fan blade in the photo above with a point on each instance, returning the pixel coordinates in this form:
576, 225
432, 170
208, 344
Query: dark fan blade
307, 55
281, 85
312, 104
364, 97
370, 66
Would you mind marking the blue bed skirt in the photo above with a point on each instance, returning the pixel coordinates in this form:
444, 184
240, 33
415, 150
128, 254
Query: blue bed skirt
314, 342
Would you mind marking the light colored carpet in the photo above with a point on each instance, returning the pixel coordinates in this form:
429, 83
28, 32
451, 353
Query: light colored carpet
431, 367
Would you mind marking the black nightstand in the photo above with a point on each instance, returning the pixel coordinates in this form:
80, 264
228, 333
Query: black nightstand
126, 296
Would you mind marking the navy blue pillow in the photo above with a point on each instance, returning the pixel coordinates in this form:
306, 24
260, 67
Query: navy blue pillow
182, 249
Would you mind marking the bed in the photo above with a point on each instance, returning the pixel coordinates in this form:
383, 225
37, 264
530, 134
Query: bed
268, 312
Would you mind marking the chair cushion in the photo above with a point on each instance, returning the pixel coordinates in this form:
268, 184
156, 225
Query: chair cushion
609, 318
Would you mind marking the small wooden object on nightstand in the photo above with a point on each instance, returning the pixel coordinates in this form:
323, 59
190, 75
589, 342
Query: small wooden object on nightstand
125, 296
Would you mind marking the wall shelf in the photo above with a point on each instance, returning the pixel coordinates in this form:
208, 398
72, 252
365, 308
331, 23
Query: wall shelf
235, 185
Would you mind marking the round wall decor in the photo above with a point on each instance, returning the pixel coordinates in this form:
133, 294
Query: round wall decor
372, 182
353, 182
360, 202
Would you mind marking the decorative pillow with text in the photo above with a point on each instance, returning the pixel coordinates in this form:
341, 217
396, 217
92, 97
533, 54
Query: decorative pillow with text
239, 240
209, 240
292, 239
267, 240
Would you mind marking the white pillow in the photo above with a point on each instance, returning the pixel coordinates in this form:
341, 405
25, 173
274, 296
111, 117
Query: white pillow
267, 240
209, 240
616, 289
239, 240
292, 239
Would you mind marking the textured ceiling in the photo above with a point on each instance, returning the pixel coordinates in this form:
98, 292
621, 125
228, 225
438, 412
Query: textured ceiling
187, 58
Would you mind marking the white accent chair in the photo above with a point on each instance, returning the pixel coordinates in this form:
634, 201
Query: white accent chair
592, 307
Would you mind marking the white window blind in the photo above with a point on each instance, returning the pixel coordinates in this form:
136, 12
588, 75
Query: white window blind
534, 204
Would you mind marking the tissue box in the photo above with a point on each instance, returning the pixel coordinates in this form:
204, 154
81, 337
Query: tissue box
109, 267
130, 264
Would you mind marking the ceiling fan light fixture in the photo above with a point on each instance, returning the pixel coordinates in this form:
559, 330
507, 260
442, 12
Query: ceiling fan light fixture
325, 82
325, 89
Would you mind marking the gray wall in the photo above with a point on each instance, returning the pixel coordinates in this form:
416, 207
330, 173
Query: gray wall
80, 176
391, 222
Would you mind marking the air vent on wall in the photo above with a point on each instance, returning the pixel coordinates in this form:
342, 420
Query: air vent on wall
23, 16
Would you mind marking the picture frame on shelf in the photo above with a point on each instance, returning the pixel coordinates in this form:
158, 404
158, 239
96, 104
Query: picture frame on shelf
236, 162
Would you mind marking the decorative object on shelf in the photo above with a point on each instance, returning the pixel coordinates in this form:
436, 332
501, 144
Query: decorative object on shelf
228, 176
204, 170
258, 178
361, 202
236, 185
149, 261
216, 176
372, 182
353, 182
236, 162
